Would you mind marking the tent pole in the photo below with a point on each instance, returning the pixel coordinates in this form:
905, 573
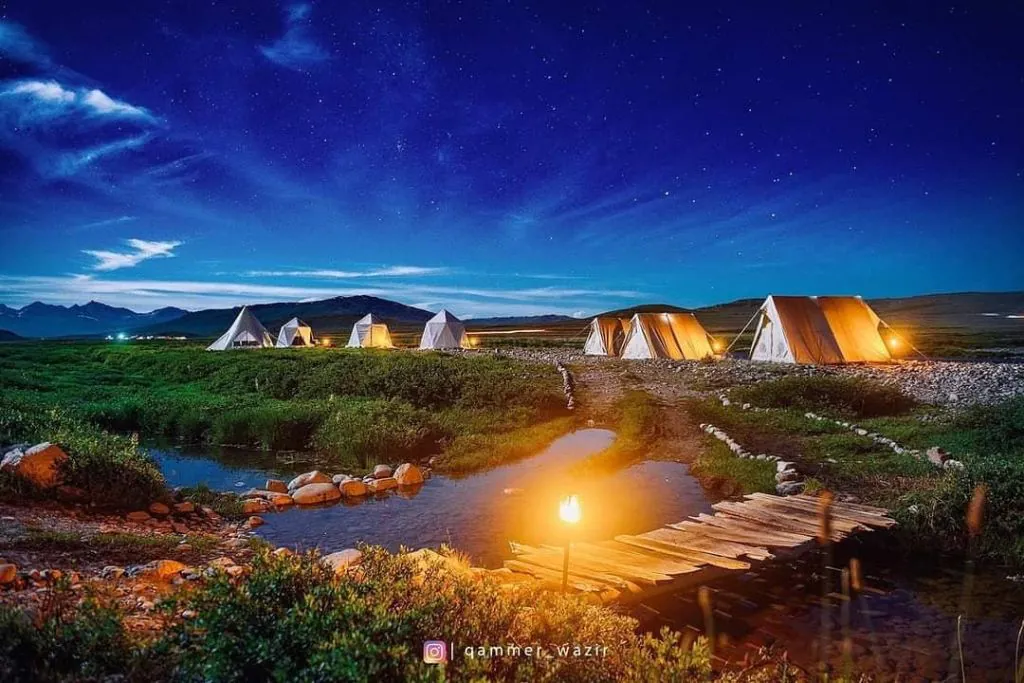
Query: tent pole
737, 337
903, 339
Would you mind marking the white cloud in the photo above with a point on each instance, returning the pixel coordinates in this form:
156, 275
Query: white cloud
387, 271
151, 294
296, 49
38, 101
18, 45
142, 250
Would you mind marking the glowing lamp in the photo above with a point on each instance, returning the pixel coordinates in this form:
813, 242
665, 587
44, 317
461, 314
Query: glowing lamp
894, 343
570, 513
716, 346
326, 341
122, 336
569, 510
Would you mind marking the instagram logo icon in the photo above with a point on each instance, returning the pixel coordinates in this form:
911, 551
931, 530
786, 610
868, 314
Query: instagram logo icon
435, 651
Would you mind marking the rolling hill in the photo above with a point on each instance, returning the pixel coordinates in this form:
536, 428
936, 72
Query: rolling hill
92, 319
326, 316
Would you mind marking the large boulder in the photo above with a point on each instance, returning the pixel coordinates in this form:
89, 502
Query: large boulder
314, 477
39, 465
311, 494
276, 485
8, 573
381, 471
253, 505
379, 485
353, 488
162, 570
342, 560
408, 475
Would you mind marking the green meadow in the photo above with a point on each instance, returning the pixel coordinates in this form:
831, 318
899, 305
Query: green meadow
354, 408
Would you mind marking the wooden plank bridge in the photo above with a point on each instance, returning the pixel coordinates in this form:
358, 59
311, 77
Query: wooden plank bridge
697, 550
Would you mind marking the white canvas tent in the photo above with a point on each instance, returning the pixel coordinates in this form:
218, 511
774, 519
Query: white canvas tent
295, 333
679, 336
607, 335
824, 329
370, 332
444, 331
245, 333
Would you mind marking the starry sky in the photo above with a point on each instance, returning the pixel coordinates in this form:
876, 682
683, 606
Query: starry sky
507, 158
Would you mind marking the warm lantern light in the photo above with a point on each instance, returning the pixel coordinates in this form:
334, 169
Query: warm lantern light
326, 341
716, 346
569, 510
894, 343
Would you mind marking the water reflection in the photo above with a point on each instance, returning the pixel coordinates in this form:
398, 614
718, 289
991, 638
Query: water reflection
473, 513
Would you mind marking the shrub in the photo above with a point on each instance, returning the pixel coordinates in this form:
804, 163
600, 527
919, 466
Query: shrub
854, 397
110, 468
359, 432
84, 643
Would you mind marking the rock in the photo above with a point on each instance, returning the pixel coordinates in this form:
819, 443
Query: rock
158, 508
281, 500
353, 488
379, 485
789, 488
282, 552
39, 465
937, 456
111, 571
314, 477
184, 508
338, 478
234, 570
276, 485
8, 573
179, 528
138, 516
321, 492
953, 465
254, 522
255, 505
221, 562
342, 560
162, 570
381, 471
408, 474
782, 465
786, 475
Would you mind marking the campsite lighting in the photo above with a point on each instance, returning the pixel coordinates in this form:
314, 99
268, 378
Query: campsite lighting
570, 513
121, 336
326, 341
894, 343
716, 346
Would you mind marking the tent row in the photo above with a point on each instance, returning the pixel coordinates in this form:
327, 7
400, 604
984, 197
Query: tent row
443, 331
789, 329
678, 336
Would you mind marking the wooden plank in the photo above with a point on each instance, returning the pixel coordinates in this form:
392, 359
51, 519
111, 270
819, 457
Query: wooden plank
813, 502
838, 509
704, 543
695, 556
774, 520
814, 516
767, 536
576, 583
759, 541
663, 565
588, 571
611, 566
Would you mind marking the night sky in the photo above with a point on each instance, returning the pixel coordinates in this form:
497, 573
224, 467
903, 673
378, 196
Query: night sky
507, 158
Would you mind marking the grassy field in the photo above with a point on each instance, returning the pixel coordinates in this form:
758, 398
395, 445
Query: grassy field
353, 407
930, 503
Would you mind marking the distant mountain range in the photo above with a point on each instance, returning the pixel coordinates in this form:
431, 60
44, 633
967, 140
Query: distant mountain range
94, 318
325, 315
978, 310
6, 336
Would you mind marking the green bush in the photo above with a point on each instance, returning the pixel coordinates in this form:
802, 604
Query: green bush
852, 397
68, 644
110, 468
361, 433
